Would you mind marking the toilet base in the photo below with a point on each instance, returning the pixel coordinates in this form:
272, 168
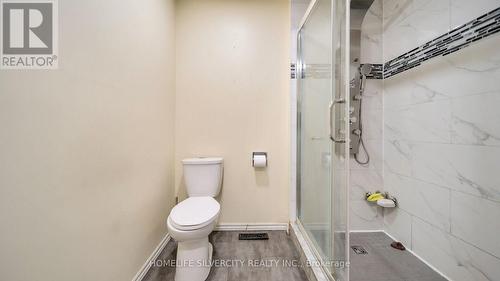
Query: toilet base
194, 260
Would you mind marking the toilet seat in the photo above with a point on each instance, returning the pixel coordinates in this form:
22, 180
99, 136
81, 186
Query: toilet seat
194, 213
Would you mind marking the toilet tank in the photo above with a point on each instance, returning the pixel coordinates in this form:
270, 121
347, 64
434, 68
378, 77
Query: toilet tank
203, 176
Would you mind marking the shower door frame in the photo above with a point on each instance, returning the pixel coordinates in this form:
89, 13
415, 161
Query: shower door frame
346, 90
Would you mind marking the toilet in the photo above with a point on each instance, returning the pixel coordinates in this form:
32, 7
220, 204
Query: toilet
192, 220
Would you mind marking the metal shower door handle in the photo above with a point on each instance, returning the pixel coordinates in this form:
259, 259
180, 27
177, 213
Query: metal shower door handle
333, 121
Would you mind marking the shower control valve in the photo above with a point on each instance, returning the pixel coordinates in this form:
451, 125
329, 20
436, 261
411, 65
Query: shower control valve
358, 97
357, 132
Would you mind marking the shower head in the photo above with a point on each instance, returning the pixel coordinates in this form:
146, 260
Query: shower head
366, 69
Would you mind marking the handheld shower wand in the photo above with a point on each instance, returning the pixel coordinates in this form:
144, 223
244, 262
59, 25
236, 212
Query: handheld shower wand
364, 70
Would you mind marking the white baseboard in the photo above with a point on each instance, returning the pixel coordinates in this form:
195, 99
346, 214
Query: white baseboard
221, 227
147, 265
251, 226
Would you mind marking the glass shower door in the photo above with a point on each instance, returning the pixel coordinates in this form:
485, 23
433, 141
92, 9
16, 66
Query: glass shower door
322, 151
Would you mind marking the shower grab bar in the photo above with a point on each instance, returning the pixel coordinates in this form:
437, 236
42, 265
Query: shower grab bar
331, 109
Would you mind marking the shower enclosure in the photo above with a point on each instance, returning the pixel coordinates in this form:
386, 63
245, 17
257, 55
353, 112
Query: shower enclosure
323, 120
424, 77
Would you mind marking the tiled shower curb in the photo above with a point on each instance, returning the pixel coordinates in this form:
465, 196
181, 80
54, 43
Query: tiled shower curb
313, 273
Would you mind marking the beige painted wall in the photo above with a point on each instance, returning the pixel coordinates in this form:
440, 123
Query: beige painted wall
232, 98
86, 151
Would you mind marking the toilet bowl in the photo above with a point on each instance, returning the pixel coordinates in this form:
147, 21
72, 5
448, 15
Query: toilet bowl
190, 223
192, 220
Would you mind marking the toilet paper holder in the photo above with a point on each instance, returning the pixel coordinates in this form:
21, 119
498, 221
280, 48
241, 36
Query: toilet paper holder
259, 154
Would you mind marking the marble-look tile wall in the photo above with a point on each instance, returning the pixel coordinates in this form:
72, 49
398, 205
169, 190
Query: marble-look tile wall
368, 178
442, 140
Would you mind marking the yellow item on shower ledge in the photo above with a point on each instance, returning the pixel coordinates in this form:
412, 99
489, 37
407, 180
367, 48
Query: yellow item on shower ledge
375, 197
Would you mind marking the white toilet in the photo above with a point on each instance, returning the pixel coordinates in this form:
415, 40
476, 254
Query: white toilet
192, 220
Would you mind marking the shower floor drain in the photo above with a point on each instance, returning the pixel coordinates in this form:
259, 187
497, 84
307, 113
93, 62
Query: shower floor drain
358, 250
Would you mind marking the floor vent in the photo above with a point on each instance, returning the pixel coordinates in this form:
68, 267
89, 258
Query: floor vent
253, 236
358, 250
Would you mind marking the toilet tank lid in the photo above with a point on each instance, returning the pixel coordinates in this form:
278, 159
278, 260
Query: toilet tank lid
202, 160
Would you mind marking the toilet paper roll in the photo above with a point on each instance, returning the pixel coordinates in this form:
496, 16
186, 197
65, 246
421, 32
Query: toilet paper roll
259, 161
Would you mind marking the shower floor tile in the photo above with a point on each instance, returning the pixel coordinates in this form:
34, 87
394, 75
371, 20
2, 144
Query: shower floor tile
384, 263
279, 251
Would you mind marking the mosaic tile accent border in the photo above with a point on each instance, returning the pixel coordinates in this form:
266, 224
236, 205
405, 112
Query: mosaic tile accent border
459, 38
377, 71
450, 42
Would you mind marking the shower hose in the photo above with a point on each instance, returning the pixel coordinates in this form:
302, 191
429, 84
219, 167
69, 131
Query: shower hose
361, 142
